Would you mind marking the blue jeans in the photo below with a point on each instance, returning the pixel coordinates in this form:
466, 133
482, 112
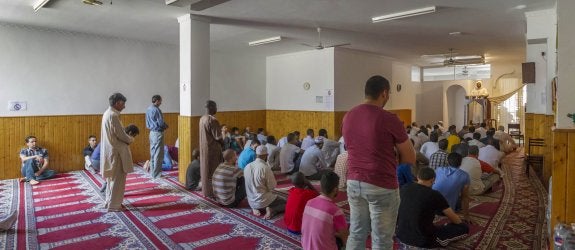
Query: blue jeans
29, 169
372, 208
156, 153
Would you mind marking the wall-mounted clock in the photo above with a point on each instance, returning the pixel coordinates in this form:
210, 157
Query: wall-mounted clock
306, 85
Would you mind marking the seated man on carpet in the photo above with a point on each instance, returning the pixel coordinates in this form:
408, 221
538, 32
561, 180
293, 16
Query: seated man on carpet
308, 140
506, 142
290, 155
453, 138
330, 148
491, 154
341, 169
273, 152
323, 222
475, 141
87, 152
193, 172
480, 181
260, 185
417, 209
430, 147
313, 164
453, 184
489, 139
9, 221
35, 162
298, 196
439, 158
249, 154
228, 181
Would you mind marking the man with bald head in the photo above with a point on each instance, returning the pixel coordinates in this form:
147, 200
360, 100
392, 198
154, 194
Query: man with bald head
211, 142
228, 181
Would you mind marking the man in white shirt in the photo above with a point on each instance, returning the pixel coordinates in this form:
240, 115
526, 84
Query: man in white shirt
308, 140
430, 147
260, 183
473, 168
273, 152
482, 130
330, 148
469, 134
475, 141
490, 155
284, 139
312, 162
506, 142
289, 154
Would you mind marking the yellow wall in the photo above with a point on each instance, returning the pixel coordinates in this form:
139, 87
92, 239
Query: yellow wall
280, 122
65, 137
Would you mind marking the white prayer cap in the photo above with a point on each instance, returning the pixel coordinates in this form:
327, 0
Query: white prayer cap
261, 150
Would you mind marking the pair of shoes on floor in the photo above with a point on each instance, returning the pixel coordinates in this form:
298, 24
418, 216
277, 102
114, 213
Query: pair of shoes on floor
9, 221
147, 166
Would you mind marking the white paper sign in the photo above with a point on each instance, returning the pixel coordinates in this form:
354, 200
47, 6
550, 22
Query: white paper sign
17, 106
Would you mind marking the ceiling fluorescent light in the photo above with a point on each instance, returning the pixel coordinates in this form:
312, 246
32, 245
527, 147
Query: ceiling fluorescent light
40, 4
264, 41
403, 14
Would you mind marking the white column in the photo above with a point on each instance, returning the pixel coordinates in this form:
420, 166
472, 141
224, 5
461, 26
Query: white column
194, 64
566, 65
541, 38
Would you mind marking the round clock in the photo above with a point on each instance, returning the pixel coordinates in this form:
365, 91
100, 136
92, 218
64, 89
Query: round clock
306, 85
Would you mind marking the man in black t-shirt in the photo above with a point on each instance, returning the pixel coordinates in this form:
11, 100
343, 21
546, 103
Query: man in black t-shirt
417, 209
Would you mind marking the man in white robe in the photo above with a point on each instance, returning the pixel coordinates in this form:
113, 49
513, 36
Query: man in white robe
115, 156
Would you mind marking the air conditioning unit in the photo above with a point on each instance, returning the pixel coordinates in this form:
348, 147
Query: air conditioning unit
195, 5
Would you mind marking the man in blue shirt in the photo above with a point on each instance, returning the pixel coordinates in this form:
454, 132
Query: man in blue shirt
453, 184
248, 155
155, 122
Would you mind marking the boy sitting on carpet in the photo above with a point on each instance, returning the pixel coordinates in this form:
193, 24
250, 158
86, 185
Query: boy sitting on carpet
298, 196
417, 209
324, 225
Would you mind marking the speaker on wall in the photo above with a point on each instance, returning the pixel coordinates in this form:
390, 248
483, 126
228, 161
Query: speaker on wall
528, 72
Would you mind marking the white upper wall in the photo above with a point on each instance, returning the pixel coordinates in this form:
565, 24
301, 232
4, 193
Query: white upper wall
63, 73
566, 64
287, 73
541, 25
352, 69
238, 82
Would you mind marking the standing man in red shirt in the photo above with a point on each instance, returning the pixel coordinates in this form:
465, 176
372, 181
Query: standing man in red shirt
372, 136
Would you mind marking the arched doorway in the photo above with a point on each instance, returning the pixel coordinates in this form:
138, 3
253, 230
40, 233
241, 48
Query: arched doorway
456, 106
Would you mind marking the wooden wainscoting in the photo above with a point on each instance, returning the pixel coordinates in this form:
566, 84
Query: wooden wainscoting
280, 122
65, 137
563, 170
253, 118
188, 132
540, 126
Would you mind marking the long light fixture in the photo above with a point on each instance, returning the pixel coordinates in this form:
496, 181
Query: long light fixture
264, 41
403, 14
38, 5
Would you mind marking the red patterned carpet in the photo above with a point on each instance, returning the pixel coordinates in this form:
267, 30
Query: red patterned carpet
67, 213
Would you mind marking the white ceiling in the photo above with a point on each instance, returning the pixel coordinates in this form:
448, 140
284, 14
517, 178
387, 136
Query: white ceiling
492, 27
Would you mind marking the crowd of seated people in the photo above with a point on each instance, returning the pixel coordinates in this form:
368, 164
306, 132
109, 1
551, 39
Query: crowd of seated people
451, 166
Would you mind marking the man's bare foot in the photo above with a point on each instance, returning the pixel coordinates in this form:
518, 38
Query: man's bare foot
269, 213
34, 182
256, 212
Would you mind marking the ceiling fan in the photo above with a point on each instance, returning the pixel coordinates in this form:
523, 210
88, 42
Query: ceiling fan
320, 45
451, 59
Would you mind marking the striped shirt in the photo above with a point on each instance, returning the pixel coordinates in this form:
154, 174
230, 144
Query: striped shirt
37, 151
321, 220
224, 183
438, 159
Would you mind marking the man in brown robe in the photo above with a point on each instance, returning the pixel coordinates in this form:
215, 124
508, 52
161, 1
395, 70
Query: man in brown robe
115, 155
211, 142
